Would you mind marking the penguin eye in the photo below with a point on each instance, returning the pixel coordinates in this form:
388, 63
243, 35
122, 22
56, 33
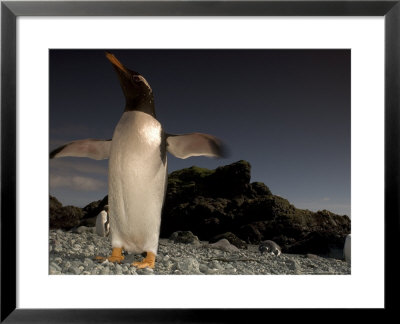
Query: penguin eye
136, 78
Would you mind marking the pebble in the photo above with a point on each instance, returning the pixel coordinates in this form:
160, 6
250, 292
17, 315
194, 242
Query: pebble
55, 266
224, 245
215, 265
188, 265
145, 271
54, 270
74, 270
203, 268
293, 265
73, 253
212, 271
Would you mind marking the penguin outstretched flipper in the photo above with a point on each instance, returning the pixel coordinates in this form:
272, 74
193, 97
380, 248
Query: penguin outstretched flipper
90, 148
195, 144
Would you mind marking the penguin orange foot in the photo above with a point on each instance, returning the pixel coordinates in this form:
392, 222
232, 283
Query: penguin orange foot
147, 262
116, 256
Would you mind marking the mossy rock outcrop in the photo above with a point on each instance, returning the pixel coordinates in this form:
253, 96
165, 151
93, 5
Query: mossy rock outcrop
211, 203
223, 203
64, 217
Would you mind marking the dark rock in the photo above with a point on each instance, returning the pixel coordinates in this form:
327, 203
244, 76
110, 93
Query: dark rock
94, 208
224, 245
89, 222
186, 237
187, 265
312, 256
68, 217
212, 202
230, 180
232, 238
54, 204
251, 233
207, 215
293, 265
65, 217
257, 209
224, 182
260, 189
316, 243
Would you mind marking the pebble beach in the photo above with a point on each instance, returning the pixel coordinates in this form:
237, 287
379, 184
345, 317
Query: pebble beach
73, 253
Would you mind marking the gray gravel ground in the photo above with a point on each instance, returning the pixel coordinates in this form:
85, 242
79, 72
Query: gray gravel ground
72, 253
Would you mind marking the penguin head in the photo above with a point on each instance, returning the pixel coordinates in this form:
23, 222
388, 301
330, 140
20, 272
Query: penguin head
137, 91
263, 248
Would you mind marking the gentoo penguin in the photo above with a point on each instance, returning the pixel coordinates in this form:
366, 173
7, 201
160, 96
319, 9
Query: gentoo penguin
270, 247
102, 222
347, 249
137, 174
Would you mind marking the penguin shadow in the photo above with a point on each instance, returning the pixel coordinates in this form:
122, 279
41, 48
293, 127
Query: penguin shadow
129, 258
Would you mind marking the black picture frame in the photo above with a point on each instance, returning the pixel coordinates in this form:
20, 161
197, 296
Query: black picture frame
10, 10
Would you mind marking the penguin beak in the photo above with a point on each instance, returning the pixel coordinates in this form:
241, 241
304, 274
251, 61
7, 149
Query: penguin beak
117, 64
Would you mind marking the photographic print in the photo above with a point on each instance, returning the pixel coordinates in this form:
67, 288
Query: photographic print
200, 162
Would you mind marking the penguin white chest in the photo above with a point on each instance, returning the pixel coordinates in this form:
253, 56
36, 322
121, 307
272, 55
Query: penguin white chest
137, 179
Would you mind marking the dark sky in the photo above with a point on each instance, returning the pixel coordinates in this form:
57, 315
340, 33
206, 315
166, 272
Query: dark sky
287, 112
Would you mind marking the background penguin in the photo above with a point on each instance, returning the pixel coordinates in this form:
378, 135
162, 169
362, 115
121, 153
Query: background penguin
103, 223
270, 247
138, 167
347, 248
